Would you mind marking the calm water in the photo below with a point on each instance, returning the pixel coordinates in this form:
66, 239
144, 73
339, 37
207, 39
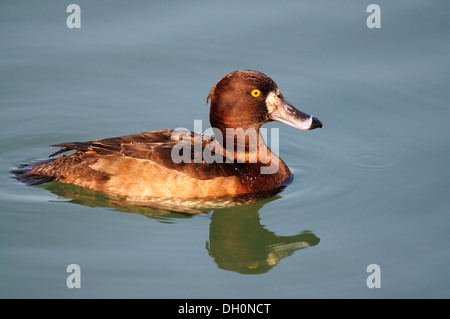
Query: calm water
371, 187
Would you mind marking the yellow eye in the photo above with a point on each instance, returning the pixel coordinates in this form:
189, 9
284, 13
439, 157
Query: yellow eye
256, 93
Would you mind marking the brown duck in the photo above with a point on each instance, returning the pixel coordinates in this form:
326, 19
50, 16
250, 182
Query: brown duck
148, 164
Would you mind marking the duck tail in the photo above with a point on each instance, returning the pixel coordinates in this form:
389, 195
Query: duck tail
26, 173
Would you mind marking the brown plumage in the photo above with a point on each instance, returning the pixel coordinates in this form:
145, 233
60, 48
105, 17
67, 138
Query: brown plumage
142, 165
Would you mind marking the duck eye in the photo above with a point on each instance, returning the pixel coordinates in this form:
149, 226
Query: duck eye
256, 93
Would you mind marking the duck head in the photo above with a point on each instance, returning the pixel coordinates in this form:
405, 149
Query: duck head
248, 99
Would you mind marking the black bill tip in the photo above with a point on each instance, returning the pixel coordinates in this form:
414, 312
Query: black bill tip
316, 123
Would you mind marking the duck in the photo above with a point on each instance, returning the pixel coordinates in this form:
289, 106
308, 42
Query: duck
179, 164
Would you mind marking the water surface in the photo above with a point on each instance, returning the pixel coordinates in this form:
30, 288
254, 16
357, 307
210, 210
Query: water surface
371, 187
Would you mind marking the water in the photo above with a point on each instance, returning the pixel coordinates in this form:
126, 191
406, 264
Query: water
371, 187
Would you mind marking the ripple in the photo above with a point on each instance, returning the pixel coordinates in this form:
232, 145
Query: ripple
395, 165
374, 160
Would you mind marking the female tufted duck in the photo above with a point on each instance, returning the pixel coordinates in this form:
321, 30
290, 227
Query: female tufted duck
165, 163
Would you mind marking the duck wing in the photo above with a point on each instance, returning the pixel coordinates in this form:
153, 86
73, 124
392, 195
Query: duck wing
136, 146
157, 146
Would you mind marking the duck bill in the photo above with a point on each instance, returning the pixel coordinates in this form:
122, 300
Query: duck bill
285, 113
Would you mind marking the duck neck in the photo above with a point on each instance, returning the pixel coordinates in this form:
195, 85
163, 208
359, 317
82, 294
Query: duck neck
244, 145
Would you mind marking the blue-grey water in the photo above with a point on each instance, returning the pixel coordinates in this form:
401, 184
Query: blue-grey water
371, 187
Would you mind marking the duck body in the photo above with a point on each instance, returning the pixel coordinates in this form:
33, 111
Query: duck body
145, 164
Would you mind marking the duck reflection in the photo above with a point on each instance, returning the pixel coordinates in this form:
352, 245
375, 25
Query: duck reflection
237, 240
